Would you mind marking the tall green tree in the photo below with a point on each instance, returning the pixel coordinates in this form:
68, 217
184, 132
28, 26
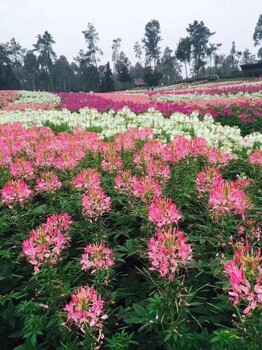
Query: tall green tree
151, 42
152, 76
199, 36
107, 83
16, 55
46, 57
170, 68
7, 77
31, 70
122, 68
258, 35
247, 57
93, 51
89, 75
211, 52
63, 74
138, 51
115, 52
183, 52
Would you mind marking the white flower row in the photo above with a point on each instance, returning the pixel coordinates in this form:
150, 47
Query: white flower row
206, 97
27, 97
110, 123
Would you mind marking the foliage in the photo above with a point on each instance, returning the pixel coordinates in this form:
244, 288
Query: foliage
151, 42
199, 36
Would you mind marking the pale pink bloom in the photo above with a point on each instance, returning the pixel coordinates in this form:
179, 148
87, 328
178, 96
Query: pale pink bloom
67, 160
22, 168
5, 156
147, 188
48, 182
200, 147
256, 157
112, 162
226, 197
87, 179
159, 170
45, 157
61, 222
16, 192
97, 256
95, 203
47, 241
164, 212
86, 311
245, 277
124, 183
220, 158
168, 251
207, 180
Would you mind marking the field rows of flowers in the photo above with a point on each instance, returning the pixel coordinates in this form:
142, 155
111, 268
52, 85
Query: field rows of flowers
128, 230
28, 100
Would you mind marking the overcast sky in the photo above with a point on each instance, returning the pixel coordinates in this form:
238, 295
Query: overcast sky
232, 20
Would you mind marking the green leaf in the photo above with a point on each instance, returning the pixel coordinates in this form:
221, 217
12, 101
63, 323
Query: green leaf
140, 310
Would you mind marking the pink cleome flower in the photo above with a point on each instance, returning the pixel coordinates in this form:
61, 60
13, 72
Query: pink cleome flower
207, 180
147, 188
95, 203
167, 251
48, 182
86, 311
16, 192
227, 197
164, 212
47, 241
245, 277
124, 182
87, 179
97, 256
22, 168
256, 157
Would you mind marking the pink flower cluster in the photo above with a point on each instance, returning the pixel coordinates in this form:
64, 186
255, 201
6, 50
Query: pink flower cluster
168, 250
77, 101
224, 196
256, 157
16, 192
87, 179
47, 241
164, 212
48, 182
29, 106
95, 203
7, 97
97, 256
224, 88
86, 311
245, 277
22, 168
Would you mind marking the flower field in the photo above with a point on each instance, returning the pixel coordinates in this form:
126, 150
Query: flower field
132, 220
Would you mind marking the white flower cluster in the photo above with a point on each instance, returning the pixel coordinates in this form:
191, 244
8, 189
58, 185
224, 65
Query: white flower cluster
206, 97
110, 123
35, 97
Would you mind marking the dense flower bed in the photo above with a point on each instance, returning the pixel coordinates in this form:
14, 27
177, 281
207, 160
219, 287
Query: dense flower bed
7, 97
29, 100
116, 102
128, 241
110, 123
223, 88
123, 229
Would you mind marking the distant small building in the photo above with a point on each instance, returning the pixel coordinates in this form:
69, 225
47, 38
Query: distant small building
252, 69
140, 83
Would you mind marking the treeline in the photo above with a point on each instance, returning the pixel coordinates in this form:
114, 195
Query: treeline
41, 69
